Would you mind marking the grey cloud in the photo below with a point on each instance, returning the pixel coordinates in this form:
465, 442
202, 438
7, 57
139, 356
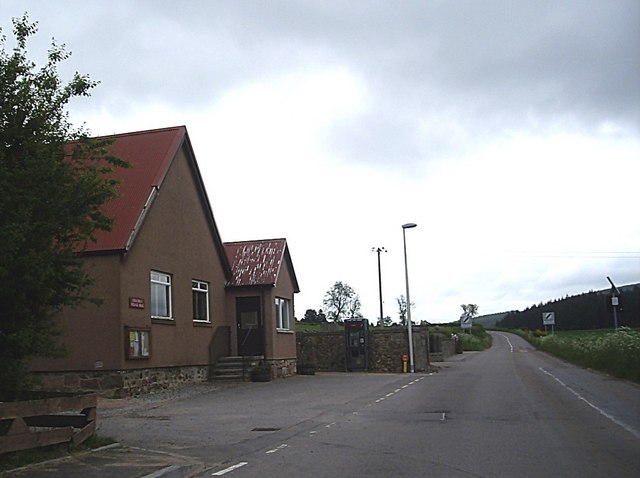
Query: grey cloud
495, 64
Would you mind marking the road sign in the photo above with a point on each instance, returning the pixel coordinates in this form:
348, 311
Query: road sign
466, 320
549, 318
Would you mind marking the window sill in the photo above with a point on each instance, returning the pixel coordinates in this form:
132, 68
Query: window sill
167, 321
202, 323
285, 331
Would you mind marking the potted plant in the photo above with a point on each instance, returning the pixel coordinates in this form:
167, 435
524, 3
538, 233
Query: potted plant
306, 368
261, 372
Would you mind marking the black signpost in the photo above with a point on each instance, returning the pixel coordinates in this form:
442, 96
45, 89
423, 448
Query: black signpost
615, 301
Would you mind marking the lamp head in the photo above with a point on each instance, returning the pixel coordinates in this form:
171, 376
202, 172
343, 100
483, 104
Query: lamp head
408, 225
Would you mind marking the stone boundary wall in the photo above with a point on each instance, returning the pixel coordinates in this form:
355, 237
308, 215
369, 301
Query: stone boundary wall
386, 347
325, 349
122, 383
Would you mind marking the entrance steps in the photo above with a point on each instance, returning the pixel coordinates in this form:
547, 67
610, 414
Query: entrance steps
235, 368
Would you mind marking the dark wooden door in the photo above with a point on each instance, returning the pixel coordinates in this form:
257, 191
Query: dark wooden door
250, 328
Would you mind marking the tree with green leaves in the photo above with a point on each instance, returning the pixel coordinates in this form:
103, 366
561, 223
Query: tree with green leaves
313, 317
402, 309
470, 309
342, 302
53, 183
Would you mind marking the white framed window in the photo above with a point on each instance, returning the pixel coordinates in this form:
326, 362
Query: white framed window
200, 295
160, 295
283, 313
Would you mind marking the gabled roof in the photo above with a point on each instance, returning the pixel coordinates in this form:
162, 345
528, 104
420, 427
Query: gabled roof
256, 263
150, 154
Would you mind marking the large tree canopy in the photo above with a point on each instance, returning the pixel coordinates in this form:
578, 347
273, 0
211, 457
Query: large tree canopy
341, 302
53, 182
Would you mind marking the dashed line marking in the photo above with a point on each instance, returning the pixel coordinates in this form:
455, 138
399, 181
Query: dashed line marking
229, 469
277, 449
398, 390
381, 399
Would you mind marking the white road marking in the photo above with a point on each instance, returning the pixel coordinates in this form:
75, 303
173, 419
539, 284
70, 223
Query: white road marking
398, 390
278, 448
509, 342
231, 468
599, 410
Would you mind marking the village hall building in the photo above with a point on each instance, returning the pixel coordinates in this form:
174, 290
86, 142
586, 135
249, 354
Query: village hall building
176, 299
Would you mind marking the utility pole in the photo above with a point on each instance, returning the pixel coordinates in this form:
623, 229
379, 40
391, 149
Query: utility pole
379, 250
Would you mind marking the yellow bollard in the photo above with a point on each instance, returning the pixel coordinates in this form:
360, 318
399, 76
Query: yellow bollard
405, 361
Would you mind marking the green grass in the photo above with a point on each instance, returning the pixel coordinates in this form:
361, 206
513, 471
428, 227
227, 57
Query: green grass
17, 459
614, 352
309, 328
476, 340
473, 340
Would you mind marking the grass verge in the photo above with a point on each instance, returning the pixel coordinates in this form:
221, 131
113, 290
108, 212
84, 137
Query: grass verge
473, 340
616, 352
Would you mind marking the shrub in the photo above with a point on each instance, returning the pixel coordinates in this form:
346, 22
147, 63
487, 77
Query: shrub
614, 352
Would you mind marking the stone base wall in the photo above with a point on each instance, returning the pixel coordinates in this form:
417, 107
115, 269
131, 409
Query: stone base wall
122, 383
282, 368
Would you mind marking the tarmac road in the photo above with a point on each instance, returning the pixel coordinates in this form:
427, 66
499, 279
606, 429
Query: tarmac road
508, 411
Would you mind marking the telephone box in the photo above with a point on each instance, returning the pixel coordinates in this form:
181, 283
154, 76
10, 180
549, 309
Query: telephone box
356, 340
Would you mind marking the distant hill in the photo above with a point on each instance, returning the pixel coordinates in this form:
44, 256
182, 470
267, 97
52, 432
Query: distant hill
591, 310
489, 320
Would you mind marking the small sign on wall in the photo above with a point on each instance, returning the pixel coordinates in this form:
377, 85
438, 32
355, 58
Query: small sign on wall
136, 303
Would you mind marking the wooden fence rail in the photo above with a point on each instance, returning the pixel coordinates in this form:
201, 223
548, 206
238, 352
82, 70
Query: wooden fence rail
54, 419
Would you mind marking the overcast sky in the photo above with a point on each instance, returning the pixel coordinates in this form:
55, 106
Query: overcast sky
508, 131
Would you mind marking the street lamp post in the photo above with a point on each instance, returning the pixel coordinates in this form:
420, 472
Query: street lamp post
379, 250
406, 276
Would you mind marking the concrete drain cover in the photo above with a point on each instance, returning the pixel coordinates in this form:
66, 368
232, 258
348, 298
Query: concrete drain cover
266, 429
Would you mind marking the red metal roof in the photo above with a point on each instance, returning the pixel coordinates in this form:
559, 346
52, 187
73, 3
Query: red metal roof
150, 154
257, 262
